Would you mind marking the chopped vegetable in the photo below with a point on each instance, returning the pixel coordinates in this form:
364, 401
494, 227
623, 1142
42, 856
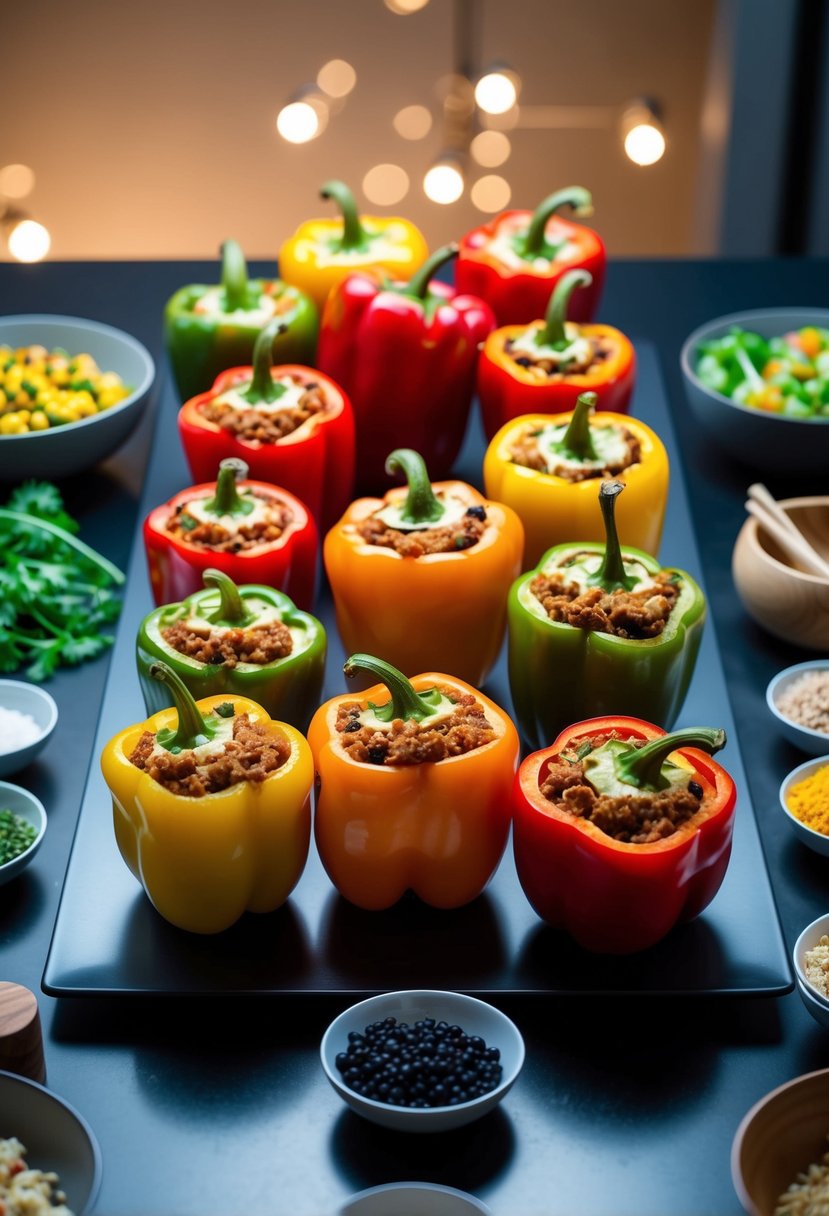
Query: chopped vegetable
16, 836
40, 389
784, 375
56, 593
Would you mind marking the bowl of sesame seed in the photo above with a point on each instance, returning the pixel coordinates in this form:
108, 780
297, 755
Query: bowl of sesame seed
798, 697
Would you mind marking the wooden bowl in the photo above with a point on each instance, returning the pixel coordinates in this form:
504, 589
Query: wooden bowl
779, 1138
789, 602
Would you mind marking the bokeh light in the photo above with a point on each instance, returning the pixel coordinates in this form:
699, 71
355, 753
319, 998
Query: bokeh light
29, 241
336, 78
490, 148
491, 193
496, 93
404, 7
645, 144
443, 183
413, 122
299, 121
386, 185
16, 181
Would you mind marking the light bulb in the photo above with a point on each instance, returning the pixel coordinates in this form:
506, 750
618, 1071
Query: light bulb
496, 93
645, 144
299, 121
29, 241
443, 183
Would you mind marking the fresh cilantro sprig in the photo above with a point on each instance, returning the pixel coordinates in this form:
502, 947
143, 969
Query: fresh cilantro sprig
57, 595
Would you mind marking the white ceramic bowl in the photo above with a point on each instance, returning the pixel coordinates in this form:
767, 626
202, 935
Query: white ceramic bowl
815, 1002
815, 742
413, 1199
56, 1138
64, 450
20, 802
755, 437
476, 1017
34, 701
815, 840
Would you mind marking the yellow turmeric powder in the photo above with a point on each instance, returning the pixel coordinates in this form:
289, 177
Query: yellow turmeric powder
808, 800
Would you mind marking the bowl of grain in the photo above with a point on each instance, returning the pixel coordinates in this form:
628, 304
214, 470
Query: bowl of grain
798, 697
804, 797
780, 1157
811, 968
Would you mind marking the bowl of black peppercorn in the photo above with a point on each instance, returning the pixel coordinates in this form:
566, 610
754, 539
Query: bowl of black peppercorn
422, 1061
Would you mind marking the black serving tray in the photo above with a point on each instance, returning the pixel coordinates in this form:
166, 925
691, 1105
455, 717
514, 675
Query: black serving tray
108, 939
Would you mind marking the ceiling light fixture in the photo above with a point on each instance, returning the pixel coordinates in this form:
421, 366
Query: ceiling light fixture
642, 133
27, 239
304, 117
496, 91
444, 181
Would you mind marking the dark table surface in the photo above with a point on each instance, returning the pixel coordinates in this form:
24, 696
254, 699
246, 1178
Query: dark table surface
626, 1104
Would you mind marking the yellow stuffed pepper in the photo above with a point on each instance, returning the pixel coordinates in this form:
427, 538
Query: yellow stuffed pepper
211, 802
322, 252
547, 466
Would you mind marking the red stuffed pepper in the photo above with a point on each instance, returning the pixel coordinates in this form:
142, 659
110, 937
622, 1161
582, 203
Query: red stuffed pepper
544, 368
515, 261
292, 426
621, 831
251, 531
405, 354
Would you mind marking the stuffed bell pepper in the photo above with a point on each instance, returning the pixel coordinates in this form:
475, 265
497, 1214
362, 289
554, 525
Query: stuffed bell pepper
208, 329
212, 807
413, 788
251, 531
405, 353
292, 426
322, 252
598, 629
515, 261
621, 831
421, 576
250, 640
543, 368
547, 467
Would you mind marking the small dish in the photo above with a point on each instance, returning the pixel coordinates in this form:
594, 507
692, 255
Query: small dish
763, 440
815, 1002
39, 705
413, 1199
56, 1138
20, 802
63, 450
815, 742
779, 1138
814, 839
476, 1017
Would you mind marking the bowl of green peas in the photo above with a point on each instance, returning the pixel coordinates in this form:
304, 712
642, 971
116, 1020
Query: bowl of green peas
22, 827
758, 382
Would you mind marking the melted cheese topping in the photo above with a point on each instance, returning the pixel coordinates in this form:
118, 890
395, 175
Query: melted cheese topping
213, 747
587, 565
234, 397
266, 614
454, 510
261, 513
211, 305
609, 442
385, 247
445, 710
578, 349
502, 248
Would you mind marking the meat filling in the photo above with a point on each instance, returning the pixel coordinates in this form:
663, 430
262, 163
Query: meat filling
265, 426
639, 818
409, 742
250, 531
525, 451
251, 755
626, 614
600, 349
227, 647
462, 535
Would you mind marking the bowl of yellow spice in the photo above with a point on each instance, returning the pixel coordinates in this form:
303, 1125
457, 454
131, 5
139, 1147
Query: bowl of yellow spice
804, 797
71, 391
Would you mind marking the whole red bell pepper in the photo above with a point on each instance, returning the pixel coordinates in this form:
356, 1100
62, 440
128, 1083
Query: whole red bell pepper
405, 353
612, 895
248, 413
515, 261
251, 531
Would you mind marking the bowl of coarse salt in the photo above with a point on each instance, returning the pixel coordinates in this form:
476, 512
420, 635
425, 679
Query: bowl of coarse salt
28, 715
798, 697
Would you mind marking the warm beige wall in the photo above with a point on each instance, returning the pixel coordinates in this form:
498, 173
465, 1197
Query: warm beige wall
151, 126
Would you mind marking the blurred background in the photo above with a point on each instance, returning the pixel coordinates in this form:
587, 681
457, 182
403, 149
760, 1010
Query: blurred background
157, 130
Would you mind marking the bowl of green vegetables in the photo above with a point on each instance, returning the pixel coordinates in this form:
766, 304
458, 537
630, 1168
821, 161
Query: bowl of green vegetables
22, 827
758, 382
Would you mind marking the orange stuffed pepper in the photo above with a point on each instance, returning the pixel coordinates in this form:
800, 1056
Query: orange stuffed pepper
413, 788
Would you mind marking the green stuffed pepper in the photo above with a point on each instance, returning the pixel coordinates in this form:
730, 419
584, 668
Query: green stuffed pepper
208, 329
248, 641
597, 630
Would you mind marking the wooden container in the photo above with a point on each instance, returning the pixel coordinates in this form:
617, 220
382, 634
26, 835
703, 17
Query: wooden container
21, 1037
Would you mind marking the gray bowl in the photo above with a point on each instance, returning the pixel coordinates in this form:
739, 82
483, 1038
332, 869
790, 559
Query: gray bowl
39, 705
815, 742
20, 802
64, 450
758, 439
56, 1137
413, 1199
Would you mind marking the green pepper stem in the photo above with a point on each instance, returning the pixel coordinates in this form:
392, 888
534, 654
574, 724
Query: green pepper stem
227, 500
353, 232
418, 284
578, 438
421, 506
191, 729
230, 607
577, 197
642, 766
234, 276
405, 702
34, 521
553, 330
263, 387
611, 574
